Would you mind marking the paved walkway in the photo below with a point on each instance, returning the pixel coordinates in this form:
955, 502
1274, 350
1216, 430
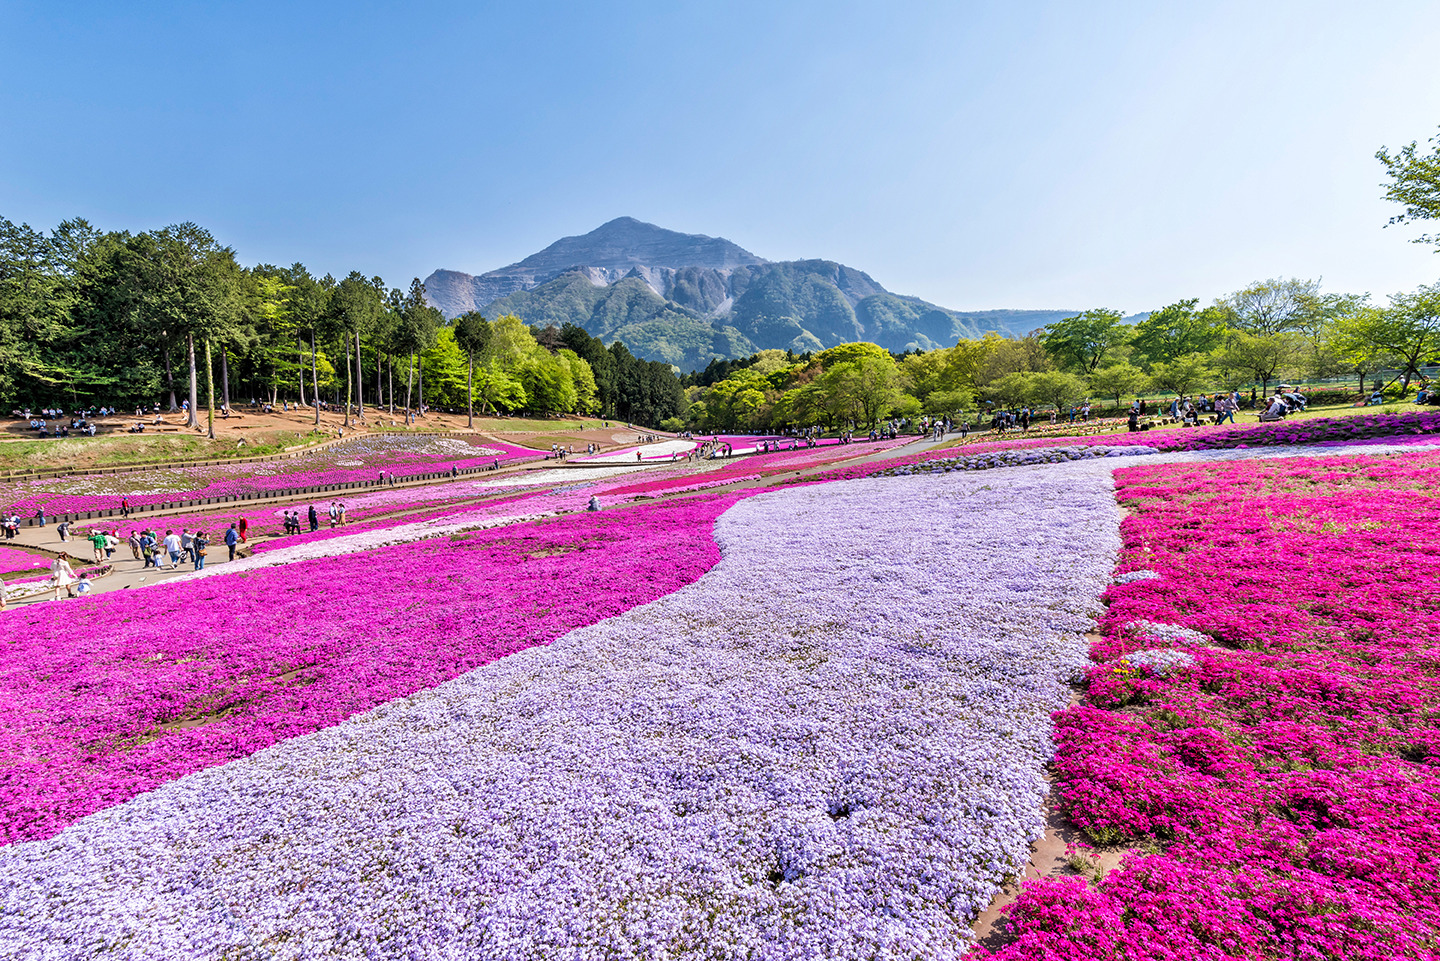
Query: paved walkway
128, 572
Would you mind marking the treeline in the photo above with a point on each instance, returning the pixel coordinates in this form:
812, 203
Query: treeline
1250, 340
107, 318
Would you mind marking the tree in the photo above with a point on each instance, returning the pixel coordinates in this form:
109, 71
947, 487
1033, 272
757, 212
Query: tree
1414, 184
1117, 380
1057, 388
1181, 375
1083, 341
472, 333
1272, 306
1262, 356
1179, 329
1408, 331
868, 385
419, 326
355, 307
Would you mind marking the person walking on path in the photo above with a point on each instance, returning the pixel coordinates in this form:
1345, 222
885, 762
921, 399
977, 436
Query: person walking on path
200, 543
124, 507
244, 526
172, 547
135, 544
231, 539
97, 541
62, 575
314, 519
64, 531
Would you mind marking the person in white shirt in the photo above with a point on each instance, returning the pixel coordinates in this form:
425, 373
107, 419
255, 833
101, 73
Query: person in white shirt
172, 546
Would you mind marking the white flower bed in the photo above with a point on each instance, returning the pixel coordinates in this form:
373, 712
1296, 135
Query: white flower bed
832, 745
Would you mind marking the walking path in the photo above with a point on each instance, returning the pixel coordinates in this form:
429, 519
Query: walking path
129, 572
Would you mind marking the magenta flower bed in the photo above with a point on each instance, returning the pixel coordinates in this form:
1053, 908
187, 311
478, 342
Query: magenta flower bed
335, 465
90, 687
1283, 764
12, 560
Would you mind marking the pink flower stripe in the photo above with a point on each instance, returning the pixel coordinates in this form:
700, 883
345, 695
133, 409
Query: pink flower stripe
335, 465
1347, 430
1283, 763
12, 560
110, 696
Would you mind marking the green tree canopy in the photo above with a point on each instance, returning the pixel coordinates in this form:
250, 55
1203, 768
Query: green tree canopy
1414, 184
1083, 341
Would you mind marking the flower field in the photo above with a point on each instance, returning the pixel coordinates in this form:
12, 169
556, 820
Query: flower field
12, 560
1260, 729
735, 765
812, 720
272, 654
358, 460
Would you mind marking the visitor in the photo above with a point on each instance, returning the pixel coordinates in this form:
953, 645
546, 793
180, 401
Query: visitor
187, 544
63, 530
134, 545
62, 575
83, 586
200, 543
594, 504
97, 541
172, 547
243, 527
232, 538
314, 519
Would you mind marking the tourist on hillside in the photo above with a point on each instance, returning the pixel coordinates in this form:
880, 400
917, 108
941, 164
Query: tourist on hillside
594, 504
82, 587
134, 544
187, 544
201, 542
63, 529
243, 526
232, 538
124, 507
62, 575
97, 541
314, 519
340, 513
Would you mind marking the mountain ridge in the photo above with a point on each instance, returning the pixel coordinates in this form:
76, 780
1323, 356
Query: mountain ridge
688, 298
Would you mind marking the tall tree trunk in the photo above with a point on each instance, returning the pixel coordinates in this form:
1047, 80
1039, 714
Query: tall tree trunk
359, 379
470, 393
224, 375
194, 419
379, 378
391, 365
170, 380
409, 383
210, 383
300, 342
315, 377
349, 380
420, 387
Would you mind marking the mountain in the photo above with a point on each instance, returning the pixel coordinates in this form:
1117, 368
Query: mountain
687, 298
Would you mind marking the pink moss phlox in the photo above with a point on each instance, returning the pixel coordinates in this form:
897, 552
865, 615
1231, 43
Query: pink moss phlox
1288, 784
96, 692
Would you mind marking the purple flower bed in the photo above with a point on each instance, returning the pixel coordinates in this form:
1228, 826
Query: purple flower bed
845, 762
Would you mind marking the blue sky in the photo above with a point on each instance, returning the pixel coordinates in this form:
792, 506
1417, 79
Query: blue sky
978, 155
